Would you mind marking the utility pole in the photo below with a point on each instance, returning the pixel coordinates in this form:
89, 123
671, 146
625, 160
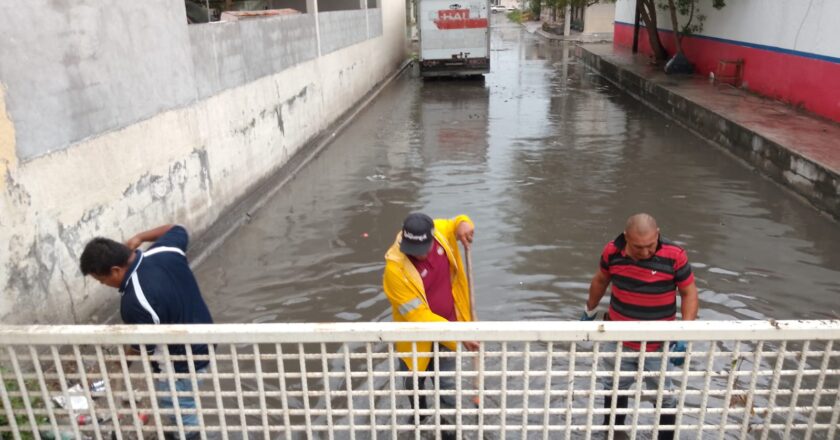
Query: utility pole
567, 20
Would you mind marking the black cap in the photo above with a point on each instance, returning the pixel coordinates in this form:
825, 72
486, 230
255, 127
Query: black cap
417, 234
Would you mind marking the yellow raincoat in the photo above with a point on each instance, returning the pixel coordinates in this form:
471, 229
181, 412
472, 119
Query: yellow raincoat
404, 288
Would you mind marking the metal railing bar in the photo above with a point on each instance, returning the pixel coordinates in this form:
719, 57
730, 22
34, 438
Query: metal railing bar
109, 394
48, 403
327, 394
348, 382
85, 383
214, 370
173, 390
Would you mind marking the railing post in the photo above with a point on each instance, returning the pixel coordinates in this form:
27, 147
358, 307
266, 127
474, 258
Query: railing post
312, 8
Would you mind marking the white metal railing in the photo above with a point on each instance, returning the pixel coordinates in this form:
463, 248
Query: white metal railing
746, 379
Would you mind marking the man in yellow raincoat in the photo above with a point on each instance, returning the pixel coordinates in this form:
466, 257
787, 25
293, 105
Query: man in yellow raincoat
425, 282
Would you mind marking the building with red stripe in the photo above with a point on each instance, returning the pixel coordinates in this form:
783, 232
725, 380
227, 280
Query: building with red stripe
790, 50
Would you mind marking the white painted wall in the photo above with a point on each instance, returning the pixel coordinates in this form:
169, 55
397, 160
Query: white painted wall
805, 26
185, 165
599, 18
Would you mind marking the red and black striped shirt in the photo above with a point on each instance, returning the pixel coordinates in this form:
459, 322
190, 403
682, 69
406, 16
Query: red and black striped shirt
645, 290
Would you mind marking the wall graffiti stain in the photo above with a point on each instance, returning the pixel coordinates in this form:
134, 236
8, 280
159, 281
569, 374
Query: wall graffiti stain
8, 157
205, 183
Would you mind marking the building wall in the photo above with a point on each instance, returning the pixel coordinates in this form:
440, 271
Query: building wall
126, 140
599, 19
62, 93
789, 49
338, 28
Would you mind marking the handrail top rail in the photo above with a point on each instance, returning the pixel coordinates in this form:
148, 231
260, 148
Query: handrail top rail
487, 331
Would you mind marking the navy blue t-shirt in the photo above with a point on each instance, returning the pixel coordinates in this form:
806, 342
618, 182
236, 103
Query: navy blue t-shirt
160, 288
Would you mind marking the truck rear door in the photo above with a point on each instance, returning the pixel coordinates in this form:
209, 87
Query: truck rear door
453, 29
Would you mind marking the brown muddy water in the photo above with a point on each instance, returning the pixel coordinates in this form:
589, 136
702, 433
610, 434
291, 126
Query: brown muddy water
548, 159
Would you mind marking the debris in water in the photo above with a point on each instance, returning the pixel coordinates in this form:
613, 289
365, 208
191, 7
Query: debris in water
720, 271
78, 402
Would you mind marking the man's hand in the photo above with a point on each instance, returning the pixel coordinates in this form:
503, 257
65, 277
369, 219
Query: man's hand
464, 233
677, 353
134, 242
588, 315
471, 345
151, 235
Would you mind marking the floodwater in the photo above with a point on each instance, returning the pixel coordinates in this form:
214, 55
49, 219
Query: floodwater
548, 159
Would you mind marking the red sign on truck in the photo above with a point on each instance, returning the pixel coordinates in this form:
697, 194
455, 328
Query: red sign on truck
458, 19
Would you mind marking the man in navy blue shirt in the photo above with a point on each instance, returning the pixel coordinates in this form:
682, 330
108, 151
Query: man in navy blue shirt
157, 287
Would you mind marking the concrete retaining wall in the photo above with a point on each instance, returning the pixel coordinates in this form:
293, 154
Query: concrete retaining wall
339, 28
813, 181
228, 54
374, 22
75, 69
170, 123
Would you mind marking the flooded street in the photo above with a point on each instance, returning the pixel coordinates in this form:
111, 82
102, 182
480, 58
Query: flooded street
548, 160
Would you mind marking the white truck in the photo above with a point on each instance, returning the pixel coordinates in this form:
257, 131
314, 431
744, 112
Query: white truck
454, 37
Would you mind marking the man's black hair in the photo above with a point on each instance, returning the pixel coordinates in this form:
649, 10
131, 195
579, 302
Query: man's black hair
101, 254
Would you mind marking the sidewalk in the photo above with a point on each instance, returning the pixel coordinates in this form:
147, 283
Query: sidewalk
796, 149
535, 27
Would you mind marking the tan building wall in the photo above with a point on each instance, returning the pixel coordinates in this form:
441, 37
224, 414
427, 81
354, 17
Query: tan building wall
599, 18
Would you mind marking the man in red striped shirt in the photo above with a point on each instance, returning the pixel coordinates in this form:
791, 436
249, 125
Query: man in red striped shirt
645, 271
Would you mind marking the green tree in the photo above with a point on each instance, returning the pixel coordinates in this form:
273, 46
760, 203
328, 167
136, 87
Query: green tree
647, 10
536, 8
686, 7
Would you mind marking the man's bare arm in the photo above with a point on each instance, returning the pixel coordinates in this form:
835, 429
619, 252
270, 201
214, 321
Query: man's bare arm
690, 302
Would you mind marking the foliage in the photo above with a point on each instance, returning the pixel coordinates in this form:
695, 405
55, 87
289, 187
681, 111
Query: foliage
691, 10
515, 16
535, 8
686, 8
18, 407
561, 4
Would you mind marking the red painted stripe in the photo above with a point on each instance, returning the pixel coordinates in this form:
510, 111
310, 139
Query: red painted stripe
813, 84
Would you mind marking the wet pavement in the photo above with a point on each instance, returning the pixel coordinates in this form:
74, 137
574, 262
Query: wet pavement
548, 159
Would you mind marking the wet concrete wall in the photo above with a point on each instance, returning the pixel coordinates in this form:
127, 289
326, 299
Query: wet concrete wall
75, 69
374, 22
339, 28
228, 54
202, 147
